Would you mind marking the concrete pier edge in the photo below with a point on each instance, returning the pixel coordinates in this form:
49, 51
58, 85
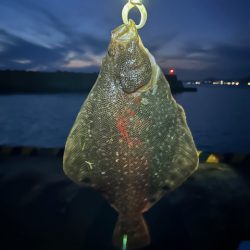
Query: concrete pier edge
204, 157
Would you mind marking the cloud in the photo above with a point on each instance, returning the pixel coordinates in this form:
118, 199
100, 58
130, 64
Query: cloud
87, 43
65, 35
45, 42
231, 60
88, 60
222, 60
20, 49
157, 45
77, 64
23, 61
24, 55
31, 24
2, 48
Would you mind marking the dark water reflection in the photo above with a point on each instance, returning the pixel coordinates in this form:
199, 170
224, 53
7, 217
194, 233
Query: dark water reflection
218, 117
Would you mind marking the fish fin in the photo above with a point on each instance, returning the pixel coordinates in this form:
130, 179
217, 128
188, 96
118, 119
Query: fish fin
135, 229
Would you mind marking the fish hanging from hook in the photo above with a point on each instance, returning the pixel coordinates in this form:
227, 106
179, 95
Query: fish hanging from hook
130, 139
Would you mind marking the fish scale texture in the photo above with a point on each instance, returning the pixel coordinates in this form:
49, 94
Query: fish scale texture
130, 139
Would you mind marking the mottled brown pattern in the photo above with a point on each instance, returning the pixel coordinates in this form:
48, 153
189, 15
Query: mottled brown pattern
130, 139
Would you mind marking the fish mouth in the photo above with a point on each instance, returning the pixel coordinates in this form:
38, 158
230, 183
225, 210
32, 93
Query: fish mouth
125, 33
134, 66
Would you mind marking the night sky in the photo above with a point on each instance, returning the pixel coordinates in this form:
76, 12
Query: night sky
200, 38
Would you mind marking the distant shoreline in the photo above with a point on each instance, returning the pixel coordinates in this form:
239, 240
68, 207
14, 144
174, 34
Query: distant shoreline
27, 82
45, 82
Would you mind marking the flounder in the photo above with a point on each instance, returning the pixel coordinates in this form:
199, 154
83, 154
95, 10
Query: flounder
130, 139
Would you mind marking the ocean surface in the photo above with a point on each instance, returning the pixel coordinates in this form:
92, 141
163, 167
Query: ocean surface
219, 118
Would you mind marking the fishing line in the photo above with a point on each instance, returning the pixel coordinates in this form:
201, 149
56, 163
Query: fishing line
124, 242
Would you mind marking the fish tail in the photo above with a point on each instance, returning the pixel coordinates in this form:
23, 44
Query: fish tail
133, 229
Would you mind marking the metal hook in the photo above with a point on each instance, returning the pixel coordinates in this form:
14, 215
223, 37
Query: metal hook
135, 4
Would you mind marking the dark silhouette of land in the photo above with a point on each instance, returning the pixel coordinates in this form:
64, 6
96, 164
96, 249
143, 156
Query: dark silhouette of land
45, 82
12, 81
177, 85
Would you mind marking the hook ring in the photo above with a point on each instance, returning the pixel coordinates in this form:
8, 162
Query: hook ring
128, 7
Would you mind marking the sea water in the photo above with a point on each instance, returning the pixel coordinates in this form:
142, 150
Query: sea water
219, 118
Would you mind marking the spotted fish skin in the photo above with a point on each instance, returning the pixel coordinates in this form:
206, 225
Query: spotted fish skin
130, 139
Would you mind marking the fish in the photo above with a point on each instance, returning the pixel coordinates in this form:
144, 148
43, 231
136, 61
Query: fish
130, 140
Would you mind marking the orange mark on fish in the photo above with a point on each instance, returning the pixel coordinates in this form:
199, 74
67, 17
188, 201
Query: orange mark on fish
122, 127
132, 113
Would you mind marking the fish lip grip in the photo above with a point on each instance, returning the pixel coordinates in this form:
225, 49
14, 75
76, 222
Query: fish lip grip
135, 4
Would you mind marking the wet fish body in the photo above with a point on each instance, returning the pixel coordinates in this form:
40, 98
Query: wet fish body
130, 139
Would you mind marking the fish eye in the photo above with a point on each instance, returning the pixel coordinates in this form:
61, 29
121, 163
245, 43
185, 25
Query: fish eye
109, 52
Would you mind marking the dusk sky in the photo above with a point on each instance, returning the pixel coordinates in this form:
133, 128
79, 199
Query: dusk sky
200, 38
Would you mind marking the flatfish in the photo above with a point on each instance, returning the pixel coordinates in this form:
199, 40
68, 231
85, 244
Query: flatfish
130, 139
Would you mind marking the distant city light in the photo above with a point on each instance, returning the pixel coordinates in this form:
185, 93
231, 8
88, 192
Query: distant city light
218, 82
248, 84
